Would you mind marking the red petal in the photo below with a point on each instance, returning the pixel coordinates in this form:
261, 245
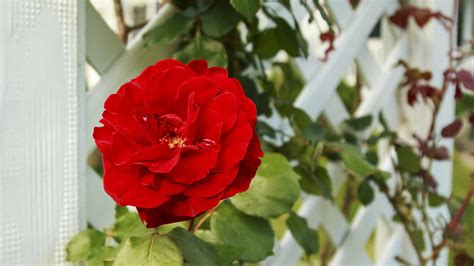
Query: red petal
226, 105
195, 165
204, 88
126, 189
160, 66
198, 66
192, 207
234, 144
162, 89
210, 125
190, 126
103, 139
248, 169
248, 106
212, 184
156, 217
168, 187
122, 149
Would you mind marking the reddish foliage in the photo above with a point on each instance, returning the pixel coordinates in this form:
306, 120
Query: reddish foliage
328, 37
440, 153
466, 78
471, 119
452, 129
428, 179
417, 81
421, 15
426, 149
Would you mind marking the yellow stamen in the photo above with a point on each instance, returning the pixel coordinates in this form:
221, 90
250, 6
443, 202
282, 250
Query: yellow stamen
174, 142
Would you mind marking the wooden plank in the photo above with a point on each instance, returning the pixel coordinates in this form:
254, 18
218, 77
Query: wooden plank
319, 90
41, 121
100, 209
103, 46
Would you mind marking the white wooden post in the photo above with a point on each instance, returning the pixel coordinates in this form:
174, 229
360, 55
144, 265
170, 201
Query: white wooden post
41, 119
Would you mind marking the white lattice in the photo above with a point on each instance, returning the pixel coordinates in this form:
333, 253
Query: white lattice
319, 94
44, 118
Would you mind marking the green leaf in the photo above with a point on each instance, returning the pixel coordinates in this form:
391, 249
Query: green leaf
314, 133
149, 250
207, 235
120, 211
129, 224
435, 199
317, 182
419, 239
248, 8
85, 245
273, 191
263, 128
270, 41
266, 43
365, 193
306, 237
253, 235
408, 160
169, 30
359, 123
228, 255
195, 251
287, 37
202, 47
467, 227
356, 164
220, 20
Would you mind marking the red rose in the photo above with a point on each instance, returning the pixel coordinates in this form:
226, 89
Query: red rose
176, 140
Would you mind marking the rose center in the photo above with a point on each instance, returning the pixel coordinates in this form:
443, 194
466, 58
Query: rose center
174, 141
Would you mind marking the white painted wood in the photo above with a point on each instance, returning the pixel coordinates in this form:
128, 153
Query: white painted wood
41, 121
103, 46
100, 209
389, 80
394, 247
319, 90
438, 63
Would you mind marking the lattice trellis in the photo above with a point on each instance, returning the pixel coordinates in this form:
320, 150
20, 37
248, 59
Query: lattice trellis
319, 95
116, 63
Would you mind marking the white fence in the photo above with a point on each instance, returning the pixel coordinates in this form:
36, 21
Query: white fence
46, 119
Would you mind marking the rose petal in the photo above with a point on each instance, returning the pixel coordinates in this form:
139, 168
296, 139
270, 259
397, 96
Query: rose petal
192, 207
204, 89
248, 169
103, 139
126, 189
212, 184
210, 125
168, 187
190, 126
122, 149
155, 217
162, 89
198, 66
150, 72
234, 144
194, 165
226, 105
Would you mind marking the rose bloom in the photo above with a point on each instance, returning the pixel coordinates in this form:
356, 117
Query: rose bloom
176, 140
